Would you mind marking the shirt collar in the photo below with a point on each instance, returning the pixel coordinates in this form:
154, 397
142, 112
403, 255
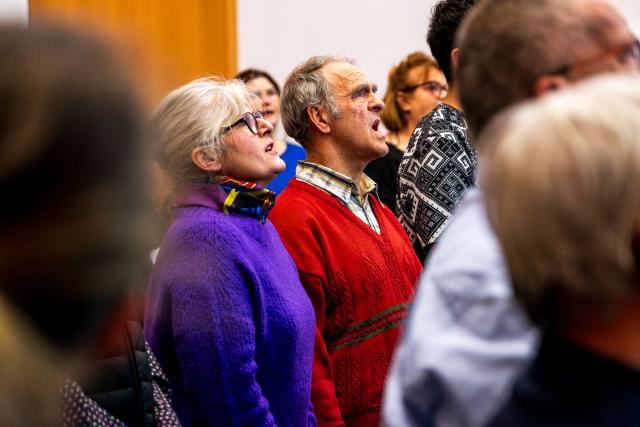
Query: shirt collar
335, 183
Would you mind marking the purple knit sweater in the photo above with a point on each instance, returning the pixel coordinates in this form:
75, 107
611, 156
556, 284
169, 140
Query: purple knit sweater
228, 319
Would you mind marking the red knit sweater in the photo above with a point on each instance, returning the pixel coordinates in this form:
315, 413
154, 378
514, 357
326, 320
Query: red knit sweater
360, 283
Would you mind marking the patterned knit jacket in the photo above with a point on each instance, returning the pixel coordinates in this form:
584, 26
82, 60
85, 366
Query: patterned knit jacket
228, 319
360, 283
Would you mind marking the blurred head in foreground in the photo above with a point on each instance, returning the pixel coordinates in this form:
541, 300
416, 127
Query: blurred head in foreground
71, 182
561, 184
512, 50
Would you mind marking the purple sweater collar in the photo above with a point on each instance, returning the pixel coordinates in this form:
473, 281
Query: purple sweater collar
204, 195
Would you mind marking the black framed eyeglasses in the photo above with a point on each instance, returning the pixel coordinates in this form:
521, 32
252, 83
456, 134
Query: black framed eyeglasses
248, 119
430, 86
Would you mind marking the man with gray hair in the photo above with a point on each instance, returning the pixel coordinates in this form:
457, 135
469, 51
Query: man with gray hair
467, 337
354, 258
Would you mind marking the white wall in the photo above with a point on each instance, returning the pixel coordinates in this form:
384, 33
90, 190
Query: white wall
631, 11
14, 10
276, 35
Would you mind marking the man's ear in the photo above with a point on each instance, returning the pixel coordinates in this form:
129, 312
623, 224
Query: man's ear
204, 160
401, 99
548, 83
319, 118
454, 57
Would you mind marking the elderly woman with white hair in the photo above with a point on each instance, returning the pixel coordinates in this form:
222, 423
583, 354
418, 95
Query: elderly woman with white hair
226, 314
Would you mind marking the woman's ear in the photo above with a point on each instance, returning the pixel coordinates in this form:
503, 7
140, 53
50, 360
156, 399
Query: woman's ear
401, 99
319, 118
204, 160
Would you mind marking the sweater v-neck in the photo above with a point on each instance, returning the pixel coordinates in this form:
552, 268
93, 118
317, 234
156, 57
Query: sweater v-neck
336, 204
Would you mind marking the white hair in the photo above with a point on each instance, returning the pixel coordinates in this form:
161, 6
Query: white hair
196, 115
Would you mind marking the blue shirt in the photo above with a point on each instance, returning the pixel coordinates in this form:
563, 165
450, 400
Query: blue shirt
467, 338
291, 156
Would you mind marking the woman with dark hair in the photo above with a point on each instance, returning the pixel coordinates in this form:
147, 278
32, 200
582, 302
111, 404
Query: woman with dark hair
226, 312
265, 87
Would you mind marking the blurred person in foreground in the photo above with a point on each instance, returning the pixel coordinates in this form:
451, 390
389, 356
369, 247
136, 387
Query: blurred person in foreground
31, 373
467, 337
571, 237
415, 87
265, 87
73, 229
354, 258
226, 313
439, 163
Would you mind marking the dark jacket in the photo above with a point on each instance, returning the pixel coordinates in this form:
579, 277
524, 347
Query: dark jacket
569, 386
120, 382
125, 380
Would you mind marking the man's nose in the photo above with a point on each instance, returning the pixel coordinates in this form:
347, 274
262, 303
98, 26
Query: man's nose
376, 104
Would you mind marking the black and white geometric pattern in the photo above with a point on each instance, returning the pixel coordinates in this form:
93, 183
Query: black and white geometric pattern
435, 172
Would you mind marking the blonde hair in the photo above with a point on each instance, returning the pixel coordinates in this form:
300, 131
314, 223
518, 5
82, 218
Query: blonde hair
561, 181
392, 116
196, 115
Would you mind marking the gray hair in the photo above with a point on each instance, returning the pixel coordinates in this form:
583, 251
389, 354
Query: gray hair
505, 45
561, 181
306, 86
195, 115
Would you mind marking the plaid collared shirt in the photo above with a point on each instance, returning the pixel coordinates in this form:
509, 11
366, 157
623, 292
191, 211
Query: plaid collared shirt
342, 188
